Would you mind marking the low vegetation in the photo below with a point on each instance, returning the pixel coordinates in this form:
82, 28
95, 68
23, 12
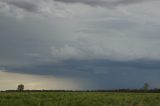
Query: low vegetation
78, 99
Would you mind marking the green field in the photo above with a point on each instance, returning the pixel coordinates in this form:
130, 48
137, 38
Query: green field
78, 99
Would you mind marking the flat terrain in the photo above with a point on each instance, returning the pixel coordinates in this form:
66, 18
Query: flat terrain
78, 99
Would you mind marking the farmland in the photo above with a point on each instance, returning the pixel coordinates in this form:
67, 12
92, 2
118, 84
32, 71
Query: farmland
78, 99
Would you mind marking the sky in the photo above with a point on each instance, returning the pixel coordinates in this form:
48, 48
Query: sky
79, 44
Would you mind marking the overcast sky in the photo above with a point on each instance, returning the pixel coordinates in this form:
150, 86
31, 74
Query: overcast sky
79, 44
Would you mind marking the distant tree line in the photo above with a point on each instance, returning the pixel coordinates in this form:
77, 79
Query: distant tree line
116, 90
145, 89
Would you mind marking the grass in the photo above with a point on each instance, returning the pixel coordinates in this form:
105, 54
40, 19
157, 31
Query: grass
78, 99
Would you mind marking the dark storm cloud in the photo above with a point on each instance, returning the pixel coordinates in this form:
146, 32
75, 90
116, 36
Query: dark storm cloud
87, 66
29, 6
102, 2
104, 74
24, 5
34, 6
105, 50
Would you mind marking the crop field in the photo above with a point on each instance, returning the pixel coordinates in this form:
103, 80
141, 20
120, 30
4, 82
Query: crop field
78, 99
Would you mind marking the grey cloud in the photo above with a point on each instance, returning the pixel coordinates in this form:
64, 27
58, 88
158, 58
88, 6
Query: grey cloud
102, 2
34, 6
30, 40
29, 6
24, 5
40, 8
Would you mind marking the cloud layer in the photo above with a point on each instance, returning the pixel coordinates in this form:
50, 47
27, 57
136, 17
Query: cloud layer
103, 2
82, 39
